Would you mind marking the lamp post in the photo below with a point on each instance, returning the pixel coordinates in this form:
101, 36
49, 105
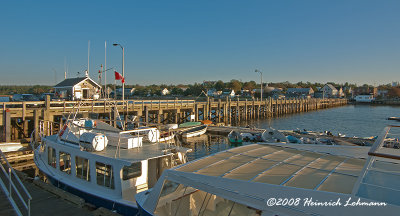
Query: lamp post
261, 87
123, 70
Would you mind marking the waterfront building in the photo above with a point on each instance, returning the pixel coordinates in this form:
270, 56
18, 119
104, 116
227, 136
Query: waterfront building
228, 92
77, 89
383, 93
366, 90
165, 91
300, 92
364, 98
329, 91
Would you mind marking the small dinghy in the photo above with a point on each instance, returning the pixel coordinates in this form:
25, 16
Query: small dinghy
235, 137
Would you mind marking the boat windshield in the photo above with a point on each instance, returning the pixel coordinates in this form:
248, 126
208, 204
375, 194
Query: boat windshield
178, 199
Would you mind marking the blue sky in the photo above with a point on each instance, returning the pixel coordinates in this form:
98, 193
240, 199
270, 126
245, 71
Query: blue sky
172, 42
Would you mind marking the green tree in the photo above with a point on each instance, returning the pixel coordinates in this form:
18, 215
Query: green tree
250, 85
236, 85
219, 85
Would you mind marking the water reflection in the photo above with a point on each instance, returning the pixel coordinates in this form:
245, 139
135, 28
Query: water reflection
205, 144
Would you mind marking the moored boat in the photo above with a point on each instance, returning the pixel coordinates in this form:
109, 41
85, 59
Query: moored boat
189, 124
104, 165
166, 136
304, 179
11, 146
235, 137
272, 135
194, 131
394, 118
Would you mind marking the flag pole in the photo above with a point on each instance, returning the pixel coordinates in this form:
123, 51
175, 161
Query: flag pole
105, 69
115, 88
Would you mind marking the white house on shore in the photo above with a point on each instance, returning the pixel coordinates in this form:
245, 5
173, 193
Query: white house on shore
329, 91
213, 93
228, 92
165, 91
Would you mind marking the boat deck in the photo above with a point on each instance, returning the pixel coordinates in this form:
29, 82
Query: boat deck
146, 151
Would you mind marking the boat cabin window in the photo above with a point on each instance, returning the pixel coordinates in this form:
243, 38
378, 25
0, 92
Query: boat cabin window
82, 168
132, 171
51, 157
178, 199
65, 162
104, 175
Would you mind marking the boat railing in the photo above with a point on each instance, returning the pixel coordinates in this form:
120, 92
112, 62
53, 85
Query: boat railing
379, 143
130, 132
14, 189
366, 180
47, 128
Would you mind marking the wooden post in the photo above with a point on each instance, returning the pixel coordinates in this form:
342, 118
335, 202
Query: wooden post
7, 125
245, 110
47, 102
24, 120
146, 114
219, 110
36, 123
196, 111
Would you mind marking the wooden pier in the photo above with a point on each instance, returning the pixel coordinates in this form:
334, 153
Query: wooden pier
19, 119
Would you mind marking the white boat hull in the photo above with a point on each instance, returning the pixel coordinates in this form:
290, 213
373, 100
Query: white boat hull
189, 133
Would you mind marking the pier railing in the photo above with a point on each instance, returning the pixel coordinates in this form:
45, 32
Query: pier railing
14, 189
17, 117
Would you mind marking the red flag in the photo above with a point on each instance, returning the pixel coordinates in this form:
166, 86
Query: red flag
118, 76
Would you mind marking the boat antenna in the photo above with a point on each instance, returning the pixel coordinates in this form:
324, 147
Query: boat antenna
65, 67
88, 65
105, 71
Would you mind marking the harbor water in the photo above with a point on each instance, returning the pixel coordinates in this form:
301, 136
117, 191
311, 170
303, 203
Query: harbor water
351, 120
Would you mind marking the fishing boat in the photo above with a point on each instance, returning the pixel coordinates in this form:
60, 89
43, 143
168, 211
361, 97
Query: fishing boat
394, 118
189, 124
11, 146
193, 131
273, 135
166, 136
102, 164
235, 137
281, 179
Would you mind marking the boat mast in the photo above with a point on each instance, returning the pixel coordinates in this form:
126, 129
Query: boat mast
88, 58
105, 69
65, 67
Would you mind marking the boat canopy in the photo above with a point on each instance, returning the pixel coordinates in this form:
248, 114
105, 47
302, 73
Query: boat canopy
252, 174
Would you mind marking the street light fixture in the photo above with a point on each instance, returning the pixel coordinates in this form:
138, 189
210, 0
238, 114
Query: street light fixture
261, 88
123, 70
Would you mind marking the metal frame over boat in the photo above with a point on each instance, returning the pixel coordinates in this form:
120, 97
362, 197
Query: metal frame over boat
281, 179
